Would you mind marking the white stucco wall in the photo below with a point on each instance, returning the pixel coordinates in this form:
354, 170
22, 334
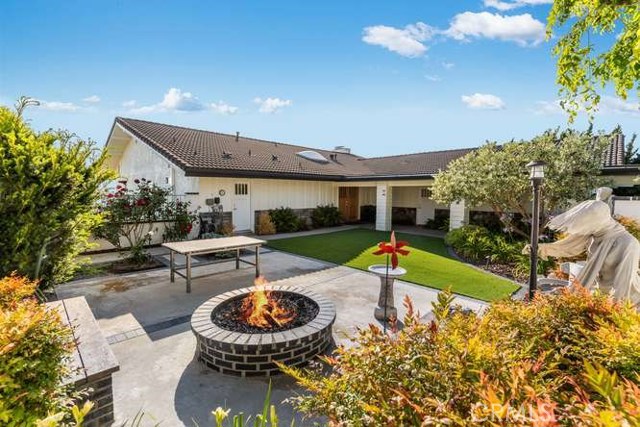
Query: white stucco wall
459, 215
629, 208
141, 161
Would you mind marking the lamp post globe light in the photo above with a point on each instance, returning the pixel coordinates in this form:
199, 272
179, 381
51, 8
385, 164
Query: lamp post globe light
536, 176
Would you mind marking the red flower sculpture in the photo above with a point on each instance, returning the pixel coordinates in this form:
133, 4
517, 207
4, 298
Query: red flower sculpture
392, 248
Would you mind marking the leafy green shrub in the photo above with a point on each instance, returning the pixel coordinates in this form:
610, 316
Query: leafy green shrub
285, 220
34, 345
570, 359
472, 242
325, 216
477, 244
49, 184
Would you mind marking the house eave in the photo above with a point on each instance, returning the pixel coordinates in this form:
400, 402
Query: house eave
239, 173
621, 170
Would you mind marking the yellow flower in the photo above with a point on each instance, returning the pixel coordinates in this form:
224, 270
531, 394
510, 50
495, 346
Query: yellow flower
220, 415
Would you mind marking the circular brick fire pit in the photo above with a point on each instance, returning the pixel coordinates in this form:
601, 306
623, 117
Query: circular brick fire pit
243, 350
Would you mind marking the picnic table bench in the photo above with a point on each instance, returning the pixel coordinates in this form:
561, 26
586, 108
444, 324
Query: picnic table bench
208, 246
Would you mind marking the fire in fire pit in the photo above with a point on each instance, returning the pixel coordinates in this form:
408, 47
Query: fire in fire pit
265, 310
262, 309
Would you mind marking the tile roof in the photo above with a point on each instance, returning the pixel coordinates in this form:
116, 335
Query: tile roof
428, 163
206, 153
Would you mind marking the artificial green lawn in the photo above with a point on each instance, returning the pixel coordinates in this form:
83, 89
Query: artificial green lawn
428, 264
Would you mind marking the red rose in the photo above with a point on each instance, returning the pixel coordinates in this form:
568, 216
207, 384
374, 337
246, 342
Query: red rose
109, 195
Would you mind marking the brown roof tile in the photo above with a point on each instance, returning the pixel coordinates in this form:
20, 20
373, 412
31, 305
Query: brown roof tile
206, 153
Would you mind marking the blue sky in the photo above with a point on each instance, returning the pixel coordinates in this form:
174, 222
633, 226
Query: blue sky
381, 77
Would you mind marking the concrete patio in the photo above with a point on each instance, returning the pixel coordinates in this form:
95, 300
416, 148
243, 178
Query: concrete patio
145, 318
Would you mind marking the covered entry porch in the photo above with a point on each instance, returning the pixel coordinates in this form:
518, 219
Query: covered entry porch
388, 203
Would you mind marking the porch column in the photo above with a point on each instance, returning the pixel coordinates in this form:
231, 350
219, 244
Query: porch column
384, 197
459, 215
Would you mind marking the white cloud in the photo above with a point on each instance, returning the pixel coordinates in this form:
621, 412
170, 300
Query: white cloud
93, 99
607, 105
523, 29
272, 105
547, 108
433, 77
173, 100
614, 105
68, 107
483, 101
223, 108
510, 5
407, 41
448, 65
177, 100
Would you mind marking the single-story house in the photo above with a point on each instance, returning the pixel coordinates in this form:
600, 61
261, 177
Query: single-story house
248, 176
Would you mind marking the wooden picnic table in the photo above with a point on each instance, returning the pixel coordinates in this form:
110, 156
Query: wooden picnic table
208, 246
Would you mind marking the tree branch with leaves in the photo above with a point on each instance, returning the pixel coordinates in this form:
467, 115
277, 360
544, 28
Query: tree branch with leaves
600, 46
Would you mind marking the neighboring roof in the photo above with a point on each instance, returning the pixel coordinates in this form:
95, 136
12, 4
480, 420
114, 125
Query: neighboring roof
614, 154
206, 153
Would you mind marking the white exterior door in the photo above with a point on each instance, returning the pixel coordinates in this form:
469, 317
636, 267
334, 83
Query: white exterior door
241, 207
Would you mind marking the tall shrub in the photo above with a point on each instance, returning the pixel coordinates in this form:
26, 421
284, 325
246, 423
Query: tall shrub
49, 183
34, 345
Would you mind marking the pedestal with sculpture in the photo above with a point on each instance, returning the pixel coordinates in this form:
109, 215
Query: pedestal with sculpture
386, 311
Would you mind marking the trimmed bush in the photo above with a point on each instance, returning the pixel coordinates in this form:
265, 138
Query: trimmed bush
325, 216
265, 226
285, 220
34, 345
567, 359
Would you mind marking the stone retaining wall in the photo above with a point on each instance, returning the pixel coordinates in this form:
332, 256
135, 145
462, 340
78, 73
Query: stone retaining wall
92, 363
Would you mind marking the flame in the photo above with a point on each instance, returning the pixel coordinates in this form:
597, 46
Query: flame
261, 309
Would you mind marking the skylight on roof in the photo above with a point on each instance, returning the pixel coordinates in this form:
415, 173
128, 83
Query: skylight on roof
313, 156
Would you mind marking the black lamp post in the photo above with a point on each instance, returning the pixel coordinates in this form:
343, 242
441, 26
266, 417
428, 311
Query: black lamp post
536, 176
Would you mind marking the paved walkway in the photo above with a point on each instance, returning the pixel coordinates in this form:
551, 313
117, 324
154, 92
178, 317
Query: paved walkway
145, 318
